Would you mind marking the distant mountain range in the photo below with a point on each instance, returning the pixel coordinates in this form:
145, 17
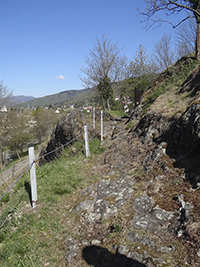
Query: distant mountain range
21, 99
69, 97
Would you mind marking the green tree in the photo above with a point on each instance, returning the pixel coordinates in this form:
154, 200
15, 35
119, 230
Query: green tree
106, 92
169, 7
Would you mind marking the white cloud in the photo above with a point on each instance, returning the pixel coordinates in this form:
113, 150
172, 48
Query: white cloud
60, 77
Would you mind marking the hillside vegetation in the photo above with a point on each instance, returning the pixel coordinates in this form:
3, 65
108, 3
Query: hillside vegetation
63, 98
133, 202
168, 93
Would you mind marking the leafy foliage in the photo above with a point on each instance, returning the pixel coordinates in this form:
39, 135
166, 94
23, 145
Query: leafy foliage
106, 92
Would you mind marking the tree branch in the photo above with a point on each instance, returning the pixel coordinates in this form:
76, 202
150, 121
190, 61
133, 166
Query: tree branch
169, 7
185, 7
175, 26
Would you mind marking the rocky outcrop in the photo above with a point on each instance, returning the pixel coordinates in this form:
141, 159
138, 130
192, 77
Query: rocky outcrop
179, 138
70, 128
142, 212
192, 83
183, 143
150, 222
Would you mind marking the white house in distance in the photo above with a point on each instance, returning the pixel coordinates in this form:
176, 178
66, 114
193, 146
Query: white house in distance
4, 109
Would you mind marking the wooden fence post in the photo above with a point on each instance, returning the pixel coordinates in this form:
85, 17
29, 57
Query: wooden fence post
87, 150
32, 177
101, 125
93, 117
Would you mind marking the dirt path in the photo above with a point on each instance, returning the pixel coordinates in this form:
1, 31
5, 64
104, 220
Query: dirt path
13, 172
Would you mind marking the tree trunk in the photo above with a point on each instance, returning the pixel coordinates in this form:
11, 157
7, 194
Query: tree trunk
108, 104
197, 48
1, 158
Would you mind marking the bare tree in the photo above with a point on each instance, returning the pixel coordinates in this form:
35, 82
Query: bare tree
141, 66
45, 120
103, 62
186, 38
169, 7
19, 132
141, 72
5, 95
164, 56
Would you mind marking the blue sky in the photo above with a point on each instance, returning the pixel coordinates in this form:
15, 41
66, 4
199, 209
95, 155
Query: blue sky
43, 43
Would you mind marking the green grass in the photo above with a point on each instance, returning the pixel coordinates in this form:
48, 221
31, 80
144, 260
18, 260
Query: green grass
175, 80
34, 237
116, 113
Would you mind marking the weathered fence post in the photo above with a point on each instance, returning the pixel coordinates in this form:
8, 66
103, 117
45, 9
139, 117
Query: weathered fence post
33, 177
86, 141
101, 125
93, 117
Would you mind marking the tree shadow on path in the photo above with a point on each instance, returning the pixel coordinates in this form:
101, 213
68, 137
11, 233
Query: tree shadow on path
100, 257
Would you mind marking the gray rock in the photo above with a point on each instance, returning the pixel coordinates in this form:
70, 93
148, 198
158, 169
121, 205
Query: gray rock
70, 256
143, 204
95, 242
133, 236
118, 191
84, 242
198, 253
135, 256
122, 249
87, 190
152, 220
85, 205
71, 248
148, 242
69, 126
166, 249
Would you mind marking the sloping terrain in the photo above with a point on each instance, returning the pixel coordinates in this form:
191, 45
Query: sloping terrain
63, 98
145, 209
139, 204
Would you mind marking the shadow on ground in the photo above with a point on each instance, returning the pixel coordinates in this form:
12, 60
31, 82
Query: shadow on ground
28, 190
101, 257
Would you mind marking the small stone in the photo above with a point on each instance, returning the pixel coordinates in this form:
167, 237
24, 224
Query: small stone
122, 249
180, 233
85, 205
84, 242
135, 256
165, 249
69, 240
70, 256
95, 242
198, 253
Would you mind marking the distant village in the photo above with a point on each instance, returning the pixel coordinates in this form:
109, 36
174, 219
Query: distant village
126, 101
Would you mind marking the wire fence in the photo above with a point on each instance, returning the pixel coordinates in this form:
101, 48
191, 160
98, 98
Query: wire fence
56, 149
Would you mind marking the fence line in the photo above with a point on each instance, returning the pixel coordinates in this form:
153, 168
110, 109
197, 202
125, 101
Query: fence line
34, 161
15, 182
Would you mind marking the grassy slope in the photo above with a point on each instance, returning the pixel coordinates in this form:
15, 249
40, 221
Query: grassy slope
165, 95
37, 237
33, 237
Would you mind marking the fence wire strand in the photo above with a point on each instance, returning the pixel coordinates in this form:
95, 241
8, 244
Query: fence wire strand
30, 165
